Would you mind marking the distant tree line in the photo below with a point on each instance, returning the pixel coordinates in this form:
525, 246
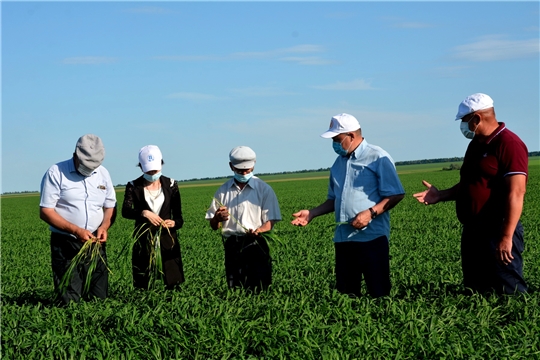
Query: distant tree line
410, 162
429, 161
452, 167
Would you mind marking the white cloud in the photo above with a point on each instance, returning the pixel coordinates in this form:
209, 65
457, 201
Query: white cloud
400, 22
193, 96
89, 60
188, 58
307, 60
357, 84
279, 54
299, 49
493, 48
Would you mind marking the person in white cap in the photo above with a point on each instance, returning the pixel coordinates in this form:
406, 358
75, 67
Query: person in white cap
78, 201
244, 207
364, 186
489, 199
153, 201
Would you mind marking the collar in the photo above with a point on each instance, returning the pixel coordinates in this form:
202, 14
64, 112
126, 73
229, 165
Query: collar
72, 169
71, 165
249, 183
497, 131
359, 149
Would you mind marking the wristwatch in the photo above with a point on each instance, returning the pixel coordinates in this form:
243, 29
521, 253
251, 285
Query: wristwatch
373, 213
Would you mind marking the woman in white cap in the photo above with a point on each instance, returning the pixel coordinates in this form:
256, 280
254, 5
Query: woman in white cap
153, 201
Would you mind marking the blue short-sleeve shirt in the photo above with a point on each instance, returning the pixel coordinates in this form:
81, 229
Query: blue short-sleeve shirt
77, 198
357, 183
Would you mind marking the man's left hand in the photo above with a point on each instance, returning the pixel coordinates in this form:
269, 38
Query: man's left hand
253, 233
101, 235
362, 219
503, 252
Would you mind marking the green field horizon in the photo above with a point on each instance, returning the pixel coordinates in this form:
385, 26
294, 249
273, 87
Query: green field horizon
309, 175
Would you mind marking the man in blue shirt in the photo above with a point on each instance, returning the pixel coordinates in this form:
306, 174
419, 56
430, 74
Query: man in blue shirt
363, 186
78, 201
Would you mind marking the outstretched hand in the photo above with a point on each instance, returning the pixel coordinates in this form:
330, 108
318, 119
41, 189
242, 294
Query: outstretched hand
430, 196
302, 218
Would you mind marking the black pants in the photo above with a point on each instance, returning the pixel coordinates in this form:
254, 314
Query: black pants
369, 259
63, 250
248, 263
172, 269
481, 271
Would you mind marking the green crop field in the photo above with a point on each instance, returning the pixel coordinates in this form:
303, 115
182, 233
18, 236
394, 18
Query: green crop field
427, 315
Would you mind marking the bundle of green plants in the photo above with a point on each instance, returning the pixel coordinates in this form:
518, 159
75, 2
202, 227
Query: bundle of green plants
88, 256
151, 239
269, 236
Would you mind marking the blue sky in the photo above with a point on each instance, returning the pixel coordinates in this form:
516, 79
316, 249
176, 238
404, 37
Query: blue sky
197, 79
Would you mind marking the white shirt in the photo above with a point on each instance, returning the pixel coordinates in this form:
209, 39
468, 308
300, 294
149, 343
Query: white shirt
77, 198
251, 206
155, 199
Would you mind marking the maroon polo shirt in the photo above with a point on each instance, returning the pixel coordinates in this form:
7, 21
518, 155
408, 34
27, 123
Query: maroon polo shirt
482, 190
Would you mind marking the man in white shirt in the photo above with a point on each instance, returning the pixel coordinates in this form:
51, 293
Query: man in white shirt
78, 201
244, 207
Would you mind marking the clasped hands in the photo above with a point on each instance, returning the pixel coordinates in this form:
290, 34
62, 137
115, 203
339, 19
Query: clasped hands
156, 220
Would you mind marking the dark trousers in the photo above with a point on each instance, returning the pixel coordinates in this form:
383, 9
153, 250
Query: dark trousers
481, 270
63, 250
248, 263
370, 260
172, 269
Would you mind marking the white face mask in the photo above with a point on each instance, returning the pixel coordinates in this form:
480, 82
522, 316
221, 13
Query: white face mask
464, 127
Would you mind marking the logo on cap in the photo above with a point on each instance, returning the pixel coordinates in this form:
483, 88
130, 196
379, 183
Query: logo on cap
150, 158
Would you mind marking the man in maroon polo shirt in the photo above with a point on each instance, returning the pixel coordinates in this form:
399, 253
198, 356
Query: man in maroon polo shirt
489, 199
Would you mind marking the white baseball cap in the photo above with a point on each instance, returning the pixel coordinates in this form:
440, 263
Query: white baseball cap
340, 124
242, 157
150, 158
474, 103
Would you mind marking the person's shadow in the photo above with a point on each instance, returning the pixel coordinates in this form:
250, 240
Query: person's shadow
30, 297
